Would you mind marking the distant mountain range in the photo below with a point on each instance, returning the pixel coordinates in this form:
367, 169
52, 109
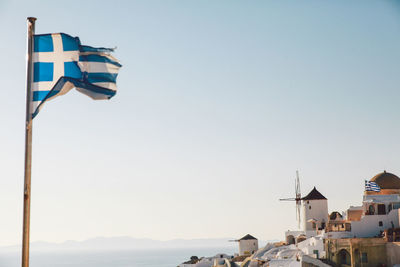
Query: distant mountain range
130, 243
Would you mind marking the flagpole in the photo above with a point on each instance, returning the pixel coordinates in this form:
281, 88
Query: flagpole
28, 142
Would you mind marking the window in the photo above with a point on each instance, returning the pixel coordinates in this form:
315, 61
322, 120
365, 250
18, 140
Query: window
316, 253
344, 257
380, 223
364, 257
309, 207
314, 225
371, 210
381, 209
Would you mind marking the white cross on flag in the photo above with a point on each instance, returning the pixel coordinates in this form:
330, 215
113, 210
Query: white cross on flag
61, 63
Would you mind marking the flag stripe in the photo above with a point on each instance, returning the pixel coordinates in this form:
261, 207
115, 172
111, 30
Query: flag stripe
111, 86
98, 58
372, 186
41, 95
86, 48
95, 77
98, 67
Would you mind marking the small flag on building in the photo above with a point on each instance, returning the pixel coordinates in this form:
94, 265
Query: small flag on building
372, 186
61, 63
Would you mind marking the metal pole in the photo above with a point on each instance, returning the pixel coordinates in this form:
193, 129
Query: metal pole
28, 142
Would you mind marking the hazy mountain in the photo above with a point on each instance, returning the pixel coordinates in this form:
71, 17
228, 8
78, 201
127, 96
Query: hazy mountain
128, 243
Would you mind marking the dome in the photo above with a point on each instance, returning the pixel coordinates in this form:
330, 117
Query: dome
386, 180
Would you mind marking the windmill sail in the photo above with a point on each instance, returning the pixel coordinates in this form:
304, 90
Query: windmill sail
297, 198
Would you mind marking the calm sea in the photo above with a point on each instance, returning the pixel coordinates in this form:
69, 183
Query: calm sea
134, 258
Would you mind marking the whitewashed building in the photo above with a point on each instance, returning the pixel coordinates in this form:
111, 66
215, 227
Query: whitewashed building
247, 245
379, 211
314, 209
315, 212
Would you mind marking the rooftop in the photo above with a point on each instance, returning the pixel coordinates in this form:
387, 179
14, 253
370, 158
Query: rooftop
313, 195
386, 180
248, 237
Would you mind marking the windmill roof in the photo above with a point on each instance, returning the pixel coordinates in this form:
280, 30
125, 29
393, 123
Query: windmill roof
248, 237
313, 195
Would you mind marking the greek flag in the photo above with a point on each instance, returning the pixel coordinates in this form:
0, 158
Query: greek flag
61, 63
372, 186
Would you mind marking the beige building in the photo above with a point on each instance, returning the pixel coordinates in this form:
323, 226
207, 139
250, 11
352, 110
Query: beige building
367, 235
362, 252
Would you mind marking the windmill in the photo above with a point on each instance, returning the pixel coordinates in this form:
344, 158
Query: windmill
297, 197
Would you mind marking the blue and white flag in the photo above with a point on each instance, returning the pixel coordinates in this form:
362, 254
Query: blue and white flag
61, 63
372, 186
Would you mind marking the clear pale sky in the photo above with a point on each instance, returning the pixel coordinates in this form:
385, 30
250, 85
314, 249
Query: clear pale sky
218, 104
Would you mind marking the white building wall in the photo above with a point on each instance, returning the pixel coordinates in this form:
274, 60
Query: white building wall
314, 209
284, 263
368, 226
247, 247
310, 245
311, 233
